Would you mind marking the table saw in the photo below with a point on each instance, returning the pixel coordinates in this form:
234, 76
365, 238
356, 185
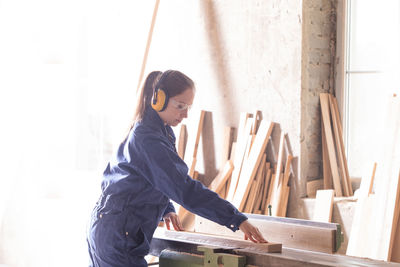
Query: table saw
219, 248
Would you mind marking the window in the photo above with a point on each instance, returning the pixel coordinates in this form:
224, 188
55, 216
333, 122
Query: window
371, 71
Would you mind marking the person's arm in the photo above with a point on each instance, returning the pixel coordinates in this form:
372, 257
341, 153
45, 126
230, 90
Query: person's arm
167, 172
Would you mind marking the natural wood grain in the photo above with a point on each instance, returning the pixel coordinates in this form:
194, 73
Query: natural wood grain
326, 121
340, 151
182, 141
290, 235
313, 186
240, 149
251, 165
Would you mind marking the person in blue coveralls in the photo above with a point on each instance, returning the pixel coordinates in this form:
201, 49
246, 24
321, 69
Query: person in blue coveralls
146, 173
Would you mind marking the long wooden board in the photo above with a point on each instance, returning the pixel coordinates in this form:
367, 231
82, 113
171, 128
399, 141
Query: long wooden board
341, 143
277, 179
327, 174
340, 151
220, 180
303, 237
326, 122
182, 141
240, 148
251, 165
220, 241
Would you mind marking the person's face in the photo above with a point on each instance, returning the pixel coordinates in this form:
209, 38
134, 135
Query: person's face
177, 108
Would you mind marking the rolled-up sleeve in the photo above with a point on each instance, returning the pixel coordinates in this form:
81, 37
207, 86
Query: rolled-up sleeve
167, 172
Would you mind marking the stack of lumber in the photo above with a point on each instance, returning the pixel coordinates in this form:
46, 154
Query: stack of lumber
335, 170
249, 179
375, 229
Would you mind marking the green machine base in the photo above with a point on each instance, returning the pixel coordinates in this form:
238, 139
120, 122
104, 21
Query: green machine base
212, 257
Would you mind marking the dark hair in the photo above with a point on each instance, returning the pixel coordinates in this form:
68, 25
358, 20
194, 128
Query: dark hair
174, 83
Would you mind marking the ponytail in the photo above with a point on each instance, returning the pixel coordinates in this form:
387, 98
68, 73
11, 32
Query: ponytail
144, 98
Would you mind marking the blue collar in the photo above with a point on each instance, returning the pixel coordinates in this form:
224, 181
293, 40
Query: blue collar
153, 120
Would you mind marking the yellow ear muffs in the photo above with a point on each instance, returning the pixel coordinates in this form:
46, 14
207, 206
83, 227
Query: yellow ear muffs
160, 100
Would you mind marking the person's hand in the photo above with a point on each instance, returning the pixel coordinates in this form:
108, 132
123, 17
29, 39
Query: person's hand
251, 232
173, 218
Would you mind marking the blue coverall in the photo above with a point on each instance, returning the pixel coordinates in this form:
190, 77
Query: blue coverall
138, 183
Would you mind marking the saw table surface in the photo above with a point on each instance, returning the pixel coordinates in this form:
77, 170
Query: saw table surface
188, 242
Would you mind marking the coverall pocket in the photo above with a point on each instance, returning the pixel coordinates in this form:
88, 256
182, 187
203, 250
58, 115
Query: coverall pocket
137, 243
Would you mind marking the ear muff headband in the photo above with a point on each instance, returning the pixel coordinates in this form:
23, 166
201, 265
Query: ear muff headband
160, 96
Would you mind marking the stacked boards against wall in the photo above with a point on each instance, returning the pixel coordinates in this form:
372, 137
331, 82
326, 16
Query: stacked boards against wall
251, 179
375, 230
335, 170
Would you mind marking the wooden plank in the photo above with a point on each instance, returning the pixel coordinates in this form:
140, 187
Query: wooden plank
382, 226
346, 169
395, 223
226, 150
262, 190
185, 216
387, 181
340, 151
270, 192
277, 178
359, 242
282, 191
323, 206
276, 190
327, 173
256, 185
251, 165
298, 236
284, 202
266, 186
241, 144
313, 186
222, 241
326, 122
361, 229
394, 252
220, 180
182, 141
192, 167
